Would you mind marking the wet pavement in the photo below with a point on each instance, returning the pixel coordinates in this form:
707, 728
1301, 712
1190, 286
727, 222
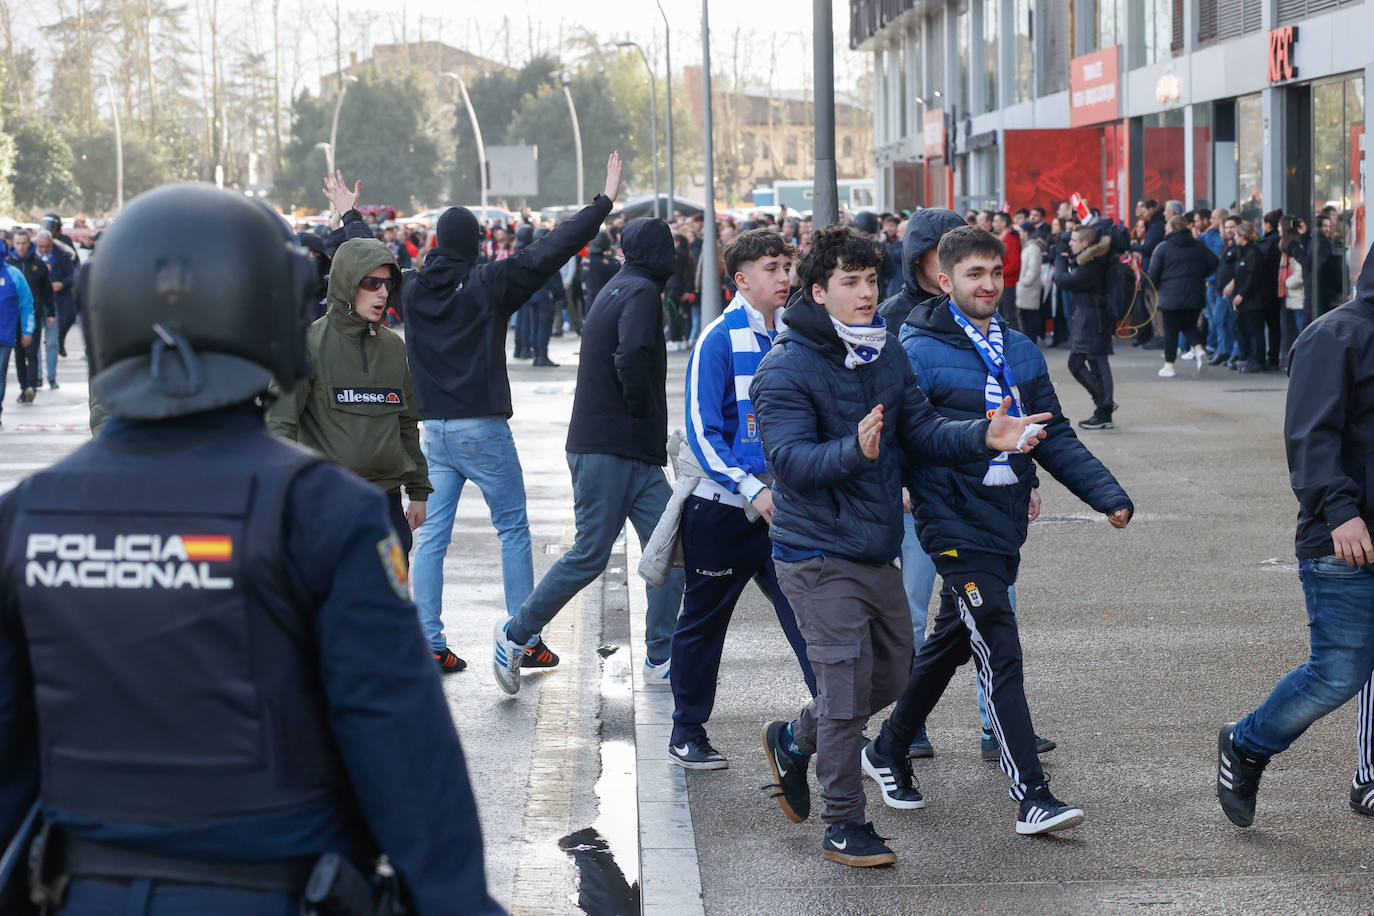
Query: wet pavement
1138, 645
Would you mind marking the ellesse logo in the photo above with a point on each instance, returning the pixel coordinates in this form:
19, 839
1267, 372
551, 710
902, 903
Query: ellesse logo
388, 396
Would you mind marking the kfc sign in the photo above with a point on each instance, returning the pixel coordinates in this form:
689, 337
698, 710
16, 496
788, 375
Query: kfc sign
1092, 88
933, 133
1281, 43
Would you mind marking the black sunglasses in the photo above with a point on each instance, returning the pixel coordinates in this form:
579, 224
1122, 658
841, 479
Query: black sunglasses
372, 284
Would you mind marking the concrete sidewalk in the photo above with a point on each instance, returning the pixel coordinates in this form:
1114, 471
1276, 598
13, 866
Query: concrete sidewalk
1138, 645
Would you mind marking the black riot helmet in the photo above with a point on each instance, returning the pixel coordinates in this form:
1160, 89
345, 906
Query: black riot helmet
196, 299
52, 222
866, 221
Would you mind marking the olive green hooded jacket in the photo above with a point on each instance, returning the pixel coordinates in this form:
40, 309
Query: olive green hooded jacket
357, 407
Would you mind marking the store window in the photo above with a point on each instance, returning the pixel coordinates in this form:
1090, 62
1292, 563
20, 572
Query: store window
1158, 32
991, 21
1023, 50
1249, 159
1338, 142
1111, 23
1166, 168
1203, 136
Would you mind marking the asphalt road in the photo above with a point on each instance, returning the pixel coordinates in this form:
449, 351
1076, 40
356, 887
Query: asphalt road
1138, 645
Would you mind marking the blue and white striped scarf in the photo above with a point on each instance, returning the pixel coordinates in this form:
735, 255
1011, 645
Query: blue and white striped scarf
746, 354
999, 383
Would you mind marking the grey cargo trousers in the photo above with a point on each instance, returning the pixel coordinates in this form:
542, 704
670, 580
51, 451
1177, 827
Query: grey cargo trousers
857, 626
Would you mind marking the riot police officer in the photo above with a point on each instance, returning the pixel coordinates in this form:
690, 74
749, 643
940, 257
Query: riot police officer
211, 673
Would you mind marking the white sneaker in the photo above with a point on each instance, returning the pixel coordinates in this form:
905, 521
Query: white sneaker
1202, 362
506, 659
1167, 371
656, 676
1188, 354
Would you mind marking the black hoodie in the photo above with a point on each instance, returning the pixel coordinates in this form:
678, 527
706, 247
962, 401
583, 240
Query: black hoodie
1329, 421
621, 405
924, 230
456, 315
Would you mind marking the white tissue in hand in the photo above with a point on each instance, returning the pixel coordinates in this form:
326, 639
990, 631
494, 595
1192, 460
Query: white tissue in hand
1029, 433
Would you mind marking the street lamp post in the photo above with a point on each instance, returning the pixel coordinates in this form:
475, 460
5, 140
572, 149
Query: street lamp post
668, 62
825, 194
334, 127
119, 146
710, 266
476, 132
566, 79
653, 111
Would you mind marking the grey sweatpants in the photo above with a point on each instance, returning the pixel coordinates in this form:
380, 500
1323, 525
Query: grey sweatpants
857, 627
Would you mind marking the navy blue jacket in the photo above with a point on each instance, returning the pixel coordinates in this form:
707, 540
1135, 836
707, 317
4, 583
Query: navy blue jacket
952, 508
1329, 421
388, 715
827, 497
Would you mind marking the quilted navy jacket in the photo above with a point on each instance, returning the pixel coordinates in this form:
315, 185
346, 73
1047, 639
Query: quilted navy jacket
952, 508
827, 496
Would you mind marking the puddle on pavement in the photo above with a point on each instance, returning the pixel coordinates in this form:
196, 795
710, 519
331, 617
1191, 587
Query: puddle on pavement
606, 854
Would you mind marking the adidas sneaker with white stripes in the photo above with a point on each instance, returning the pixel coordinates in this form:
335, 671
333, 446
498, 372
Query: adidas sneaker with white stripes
1041, 812
894, 777
1362, 797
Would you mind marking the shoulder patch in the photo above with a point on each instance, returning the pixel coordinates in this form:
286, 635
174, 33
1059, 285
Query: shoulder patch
394, 565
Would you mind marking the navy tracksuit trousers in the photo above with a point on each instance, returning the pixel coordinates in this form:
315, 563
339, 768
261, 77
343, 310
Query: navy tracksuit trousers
976, 620
722, 551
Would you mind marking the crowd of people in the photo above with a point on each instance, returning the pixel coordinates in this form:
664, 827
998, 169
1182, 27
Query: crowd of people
868, 414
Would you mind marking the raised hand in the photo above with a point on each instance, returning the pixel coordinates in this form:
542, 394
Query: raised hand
613, 175
338, 194
1004, 432
871, 433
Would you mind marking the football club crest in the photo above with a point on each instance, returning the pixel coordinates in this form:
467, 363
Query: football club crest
975, 597
751, 426
394, 565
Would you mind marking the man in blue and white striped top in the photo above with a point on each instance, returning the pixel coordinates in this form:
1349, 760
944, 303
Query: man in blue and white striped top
724, 530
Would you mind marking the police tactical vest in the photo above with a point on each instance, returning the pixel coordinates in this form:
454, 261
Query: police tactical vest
176, 675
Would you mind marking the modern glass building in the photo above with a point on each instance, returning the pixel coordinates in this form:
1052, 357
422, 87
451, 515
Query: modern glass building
1245, 104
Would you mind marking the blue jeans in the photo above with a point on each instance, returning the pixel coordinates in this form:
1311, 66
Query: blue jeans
918, 579
51, 342
1340, 618
1221, 320
607, 491
482, 450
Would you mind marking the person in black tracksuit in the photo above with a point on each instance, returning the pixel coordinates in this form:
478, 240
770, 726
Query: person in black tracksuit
1247, 297
974, 529
1271, 259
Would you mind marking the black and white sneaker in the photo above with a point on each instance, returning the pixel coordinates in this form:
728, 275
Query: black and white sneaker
856, 844
697, 754
1041, 812
1362, 798
893, 777
1238, 779
790, 782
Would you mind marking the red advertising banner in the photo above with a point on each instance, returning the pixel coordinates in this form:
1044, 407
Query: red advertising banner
933, 133
1046, 166
1092, 88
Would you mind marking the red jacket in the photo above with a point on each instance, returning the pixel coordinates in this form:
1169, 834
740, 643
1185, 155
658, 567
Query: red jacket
1011, 262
